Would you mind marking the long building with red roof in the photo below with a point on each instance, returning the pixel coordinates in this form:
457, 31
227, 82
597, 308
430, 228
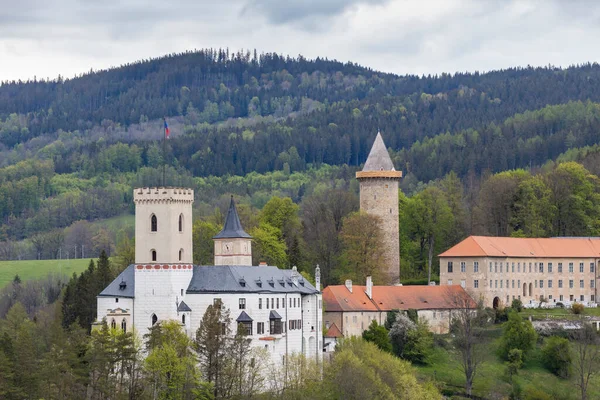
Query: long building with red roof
501, 269
351, 308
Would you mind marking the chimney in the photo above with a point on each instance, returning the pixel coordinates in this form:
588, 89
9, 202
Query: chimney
318, 278
349, 285
262, 264
369, 287
295, 275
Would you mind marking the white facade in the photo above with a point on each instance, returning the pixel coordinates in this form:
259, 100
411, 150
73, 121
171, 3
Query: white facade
163, 225
162, 287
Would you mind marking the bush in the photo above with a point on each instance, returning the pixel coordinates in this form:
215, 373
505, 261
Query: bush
518, 334
412, 314
556, 356
501, 314
378, 335
577, 308
411, 341
517, 305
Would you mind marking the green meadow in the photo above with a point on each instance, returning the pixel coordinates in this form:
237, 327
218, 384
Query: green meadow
37, 269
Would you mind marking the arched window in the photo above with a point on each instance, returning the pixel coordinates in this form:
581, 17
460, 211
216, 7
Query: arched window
153, 223
180, 222
154, 319
183, 319
153, 254
124, 325
113, 324
180, 254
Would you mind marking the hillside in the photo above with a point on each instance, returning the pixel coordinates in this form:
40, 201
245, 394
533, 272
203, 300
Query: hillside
262, 125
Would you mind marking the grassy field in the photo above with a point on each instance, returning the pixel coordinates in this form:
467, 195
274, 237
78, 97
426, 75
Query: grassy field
34, 269
491, 381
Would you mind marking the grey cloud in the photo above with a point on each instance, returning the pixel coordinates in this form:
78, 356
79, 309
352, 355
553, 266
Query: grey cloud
281, 12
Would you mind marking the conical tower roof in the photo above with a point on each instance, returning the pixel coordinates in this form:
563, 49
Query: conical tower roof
233, 226
379, 158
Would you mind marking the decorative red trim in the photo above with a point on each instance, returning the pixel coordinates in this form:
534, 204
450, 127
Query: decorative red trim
165, 267
140, 267
157, 267
148, 266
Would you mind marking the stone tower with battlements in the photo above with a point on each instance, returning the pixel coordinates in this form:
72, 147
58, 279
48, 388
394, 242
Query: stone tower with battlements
233, 246
379, 196
163, 225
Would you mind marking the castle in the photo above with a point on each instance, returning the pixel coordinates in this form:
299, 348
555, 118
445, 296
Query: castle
279, 309
379, 196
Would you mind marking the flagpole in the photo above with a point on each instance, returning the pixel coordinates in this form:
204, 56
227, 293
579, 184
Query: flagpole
164, 148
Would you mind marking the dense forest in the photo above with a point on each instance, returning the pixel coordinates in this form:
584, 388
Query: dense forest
263, 125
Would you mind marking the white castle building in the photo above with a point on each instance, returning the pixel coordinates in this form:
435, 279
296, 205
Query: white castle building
280, 310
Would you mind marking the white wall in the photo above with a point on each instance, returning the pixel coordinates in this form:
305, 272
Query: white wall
158, 290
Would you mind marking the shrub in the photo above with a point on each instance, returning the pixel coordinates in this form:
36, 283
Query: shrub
517, 305
518, 334
378, 335
556, 356
501, 314
577, 308
411, 341
413, 315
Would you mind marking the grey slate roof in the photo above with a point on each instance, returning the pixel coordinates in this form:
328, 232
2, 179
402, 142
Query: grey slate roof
261, 279
122, 286
233, 226
379, 158
274, 315
244, 317
182, 307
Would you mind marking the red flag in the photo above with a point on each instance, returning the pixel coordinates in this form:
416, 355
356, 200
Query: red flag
167, 132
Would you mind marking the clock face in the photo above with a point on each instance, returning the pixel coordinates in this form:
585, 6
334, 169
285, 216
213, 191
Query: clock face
227, 247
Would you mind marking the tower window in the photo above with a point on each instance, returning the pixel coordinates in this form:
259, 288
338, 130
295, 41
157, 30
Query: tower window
153, 223
154, 319
113, 324
124, 325
153, 255
180, 254
183, 319
180, 222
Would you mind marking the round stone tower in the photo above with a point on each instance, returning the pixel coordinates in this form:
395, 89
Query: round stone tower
379, 196
163, 225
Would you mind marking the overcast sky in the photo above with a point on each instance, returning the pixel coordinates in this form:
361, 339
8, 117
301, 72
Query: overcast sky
45, 38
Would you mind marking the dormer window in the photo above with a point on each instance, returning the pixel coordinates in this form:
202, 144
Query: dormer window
180, 222
153, 223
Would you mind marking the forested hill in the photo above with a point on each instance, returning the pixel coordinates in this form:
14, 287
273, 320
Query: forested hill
67, 145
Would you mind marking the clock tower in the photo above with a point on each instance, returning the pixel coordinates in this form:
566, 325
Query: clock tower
233, 246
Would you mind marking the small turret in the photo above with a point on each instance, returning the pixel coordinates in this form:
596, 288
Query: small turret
318, 278
233, 246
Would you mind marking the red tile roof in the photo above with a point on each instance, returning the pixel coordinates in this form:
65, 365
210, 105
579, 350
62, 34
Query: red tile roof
334, 331
487, 246
387, 298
